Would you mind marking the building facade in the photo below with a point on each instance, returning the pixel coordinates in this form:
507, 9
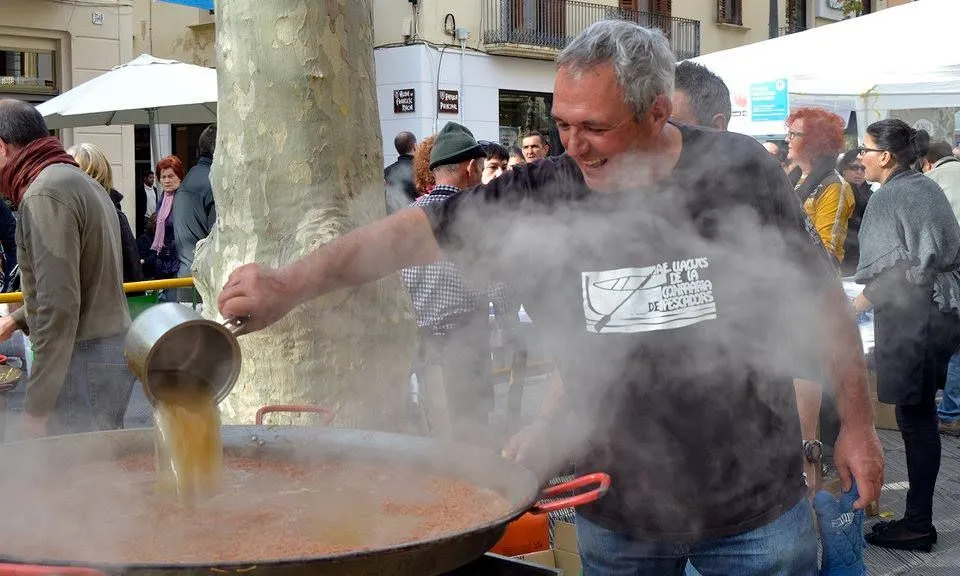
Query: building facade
47, 47
485, 63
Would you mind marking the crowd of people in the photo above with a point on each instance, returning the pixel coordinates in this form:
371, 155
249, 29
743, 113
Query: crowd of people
685, 279
68, 245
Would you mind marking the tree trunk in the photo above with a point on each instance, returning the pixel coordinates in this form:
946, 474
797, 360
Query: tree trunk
298, 163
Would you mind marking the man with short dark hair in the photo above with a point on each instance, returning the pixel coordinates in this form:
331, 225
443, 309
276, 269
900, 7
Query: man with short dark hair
195, 212
69, 251
398, 177
535, 146
146, 201
700, 97
497, 161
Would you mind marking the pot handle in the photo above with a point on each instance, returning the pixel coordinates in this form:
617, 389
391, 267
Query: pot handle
600, 479
263, 411
236, 325
30, 570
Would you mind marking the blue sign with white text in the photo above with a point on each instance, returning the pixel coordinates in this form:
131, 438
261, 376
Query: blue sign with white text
769, 101
204, 4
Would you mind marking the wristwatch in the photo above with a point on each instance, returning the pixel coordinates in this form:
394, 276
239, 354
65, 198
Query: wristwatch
812, 451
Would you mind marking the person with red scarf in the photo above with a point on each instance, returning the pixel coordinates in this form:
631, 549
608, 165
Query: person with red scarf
75, 312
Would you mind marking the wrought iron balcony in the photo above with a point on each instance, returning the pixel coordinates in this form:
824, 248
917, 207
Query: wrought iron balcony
791, 29
540, 28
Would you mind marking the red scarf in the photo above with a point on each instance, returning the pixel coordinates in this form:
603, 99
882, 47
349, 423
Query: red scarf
22, 169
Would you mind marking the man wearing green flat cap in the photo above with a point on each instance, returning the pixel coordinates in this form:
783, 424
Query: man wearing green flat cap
452, 314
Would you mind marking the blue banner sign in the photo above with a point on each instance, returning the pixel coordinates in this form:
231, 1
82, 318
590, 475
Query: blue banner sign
203, 4
769, 101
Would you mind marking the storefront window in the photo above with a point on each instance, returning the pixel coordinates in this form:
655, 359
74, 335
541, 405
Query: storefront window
522, 112
28, 71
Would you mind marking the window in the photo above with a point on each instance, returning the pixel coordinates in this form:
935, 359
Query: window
730, 12
27, 71
661, 7
521, 112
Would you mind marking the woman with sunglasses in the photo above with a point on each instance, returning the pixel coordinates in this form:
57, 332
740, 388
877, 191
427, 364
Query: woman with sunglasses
910, 265
852, 170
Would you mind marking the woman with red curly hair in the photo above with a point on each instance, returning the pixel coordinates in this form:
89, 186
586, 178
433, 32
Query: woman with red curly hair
170, 172
423, 179
815, 139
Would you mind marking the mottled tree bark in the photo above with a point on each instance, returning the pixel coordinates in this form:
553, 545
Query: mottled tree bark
298, 163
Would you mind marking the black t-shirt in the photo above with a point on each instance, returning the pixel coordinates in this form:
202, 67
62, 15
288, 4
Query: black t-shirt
678, 315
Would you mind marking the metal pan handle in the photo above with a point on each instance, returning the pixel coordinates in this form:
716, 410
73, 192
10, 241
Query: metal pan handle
236, 325
30, 570
600, 479
328, 418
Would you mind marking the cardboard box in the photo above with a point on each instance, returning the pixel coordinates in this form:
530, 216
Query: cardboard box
565, 554
884, 415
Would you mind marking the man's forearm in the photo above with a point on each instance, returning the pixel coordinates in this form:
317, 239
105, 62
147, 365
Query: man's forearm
848, 370
366, 254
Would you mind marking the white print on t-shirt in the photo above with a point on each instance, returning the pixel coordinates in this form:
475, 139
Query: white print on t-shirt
660, 297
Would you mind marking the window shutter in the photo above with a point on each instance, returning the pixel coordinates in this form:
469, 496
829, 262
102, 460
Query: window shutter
663, 7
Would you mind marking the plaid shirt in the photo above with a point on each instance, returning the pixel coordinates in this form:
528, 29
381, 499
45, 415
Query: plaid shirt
441, 297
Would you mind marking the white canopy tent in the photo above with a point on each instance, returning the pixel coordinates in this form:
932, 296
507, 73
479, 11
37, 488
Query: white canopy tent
146, 90
870, 64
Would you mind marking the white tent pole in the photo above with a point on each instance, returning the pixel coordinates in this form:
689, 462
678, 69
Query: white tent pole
154, 139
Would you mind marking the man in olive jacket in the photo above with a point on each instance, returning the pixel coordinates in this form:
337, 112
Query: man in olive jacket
75, 312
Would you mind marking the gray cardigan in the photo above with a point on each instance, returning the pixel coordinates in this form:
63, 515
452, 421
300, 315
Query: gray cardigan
909, 223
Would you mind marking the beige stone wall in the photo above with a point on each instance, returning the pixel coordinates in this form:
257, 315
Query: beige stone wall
715, 37
173, 31
84, 50
391, 17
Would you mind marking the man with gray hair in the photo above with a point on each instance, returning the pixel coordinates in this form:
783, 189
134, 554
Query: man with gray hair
677, 290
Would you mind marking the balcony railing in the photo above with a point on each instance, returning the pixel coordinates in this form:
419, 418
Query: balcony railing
546, 26
784, 30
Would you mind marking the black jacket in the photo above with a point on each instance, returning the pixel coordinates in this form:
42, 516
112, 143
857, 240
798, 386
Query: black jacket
128, 244
194, 213
398, 180
8, 241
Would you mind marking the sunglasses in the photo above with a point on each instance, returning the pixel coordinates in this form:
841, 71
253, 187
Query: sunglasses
856, 167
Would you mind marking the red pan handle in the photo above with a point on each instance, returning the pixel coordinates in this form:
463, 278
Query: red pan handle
328, 418
29, 570
601, 480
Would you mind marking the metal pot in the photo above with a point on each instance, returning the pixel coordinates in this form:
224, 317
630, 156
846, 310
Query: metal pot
173, 337
419, 558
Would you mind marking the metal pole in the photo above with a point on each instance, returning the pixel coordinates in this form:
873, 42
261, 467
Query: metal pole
774, 18
154, 139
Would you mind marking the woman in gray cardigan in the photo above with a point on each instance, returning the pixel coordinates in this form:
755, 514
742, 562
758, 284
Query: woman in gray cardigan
909, 262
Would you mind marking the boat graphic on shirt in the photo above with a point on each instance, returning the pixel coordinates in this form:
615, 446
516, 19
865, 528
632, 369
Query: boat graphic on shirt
663, 296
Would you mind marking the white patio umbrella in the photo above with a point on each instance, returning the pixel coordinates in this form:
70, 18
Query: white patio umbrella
146, 90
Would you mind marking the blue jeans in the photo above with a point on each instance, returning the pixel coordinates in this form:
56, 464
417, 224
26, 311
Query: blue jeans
949, 410
785, 547
96, 391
